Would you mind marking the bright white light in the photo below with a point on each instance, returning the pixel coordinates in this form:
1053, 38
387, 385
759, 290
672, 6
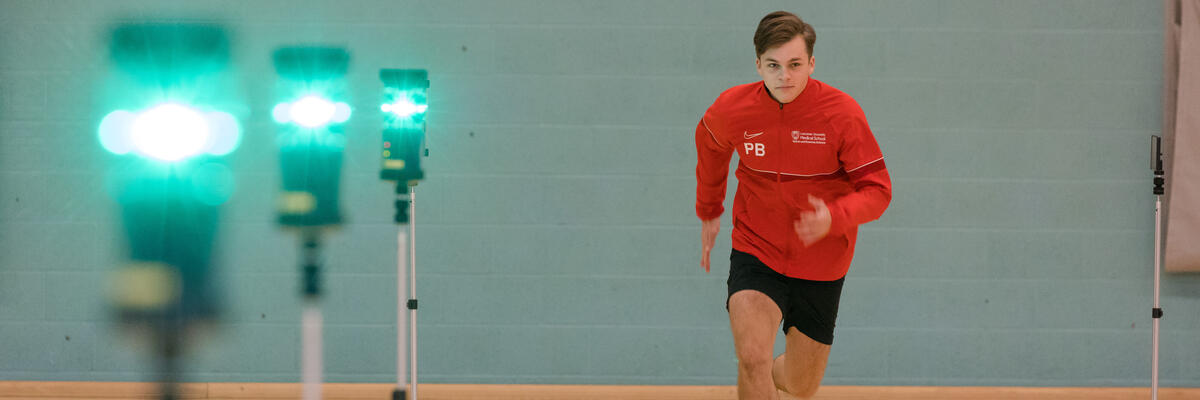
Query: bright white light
169, 132
225, 135
312, 111
404, 108
341, 112
281, 112
114, 132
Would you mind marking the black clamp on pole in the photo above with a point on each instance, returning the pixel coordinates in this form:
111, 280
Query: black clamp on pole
312, 267
402, 199
1157, 164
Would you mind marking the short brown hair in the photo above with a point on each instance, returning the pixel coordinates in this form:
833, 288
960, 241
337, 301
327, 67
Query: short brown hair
781, 27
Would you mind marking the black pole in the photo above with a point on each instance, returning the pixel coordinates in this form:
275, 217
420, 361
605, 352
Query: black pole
169, 334
311, 249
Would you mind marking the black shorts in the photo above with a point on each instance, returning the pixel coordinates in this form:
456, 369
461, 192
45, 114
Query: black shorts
810, 306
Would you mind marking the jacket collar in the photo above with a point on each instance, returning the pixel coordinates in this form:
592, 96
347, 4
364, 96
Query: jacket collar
810, 89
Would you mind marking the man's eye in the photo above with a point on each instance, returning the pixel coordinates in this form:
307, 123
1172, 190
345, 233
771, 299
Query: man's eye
773, 65
795, 65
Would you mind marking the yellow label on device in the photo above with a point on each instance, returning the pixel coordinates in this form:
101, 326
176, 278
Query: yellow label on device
297, 202
145, 286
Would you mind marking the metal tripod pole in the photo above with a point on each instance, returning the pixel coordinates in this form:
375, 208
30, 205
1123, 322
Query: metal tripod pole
406, 289
311, 338
1156, 312
412, 288
401, 332
311, 321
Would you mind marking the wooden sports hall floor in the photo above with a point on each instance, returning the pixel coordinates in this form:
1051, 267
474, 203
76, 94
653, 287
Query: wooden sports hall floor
42, 390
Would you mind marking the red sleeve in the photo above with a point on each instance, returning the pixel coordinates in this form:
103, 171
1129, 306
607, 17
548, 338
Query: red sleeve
860, 157
712, 168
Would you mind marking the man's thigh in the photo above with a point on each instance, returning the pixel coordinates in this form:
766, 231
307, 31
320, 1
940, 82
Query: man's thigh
804, 363
753, 317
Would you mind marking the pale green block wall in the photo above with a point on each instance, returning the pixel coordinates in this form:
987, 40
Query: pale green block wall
556, 238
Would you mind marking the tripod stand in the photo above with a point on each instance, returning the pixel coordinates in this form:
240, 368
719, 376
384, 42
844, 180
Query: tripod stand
405, 104
406, 289
1156, 312
312, 321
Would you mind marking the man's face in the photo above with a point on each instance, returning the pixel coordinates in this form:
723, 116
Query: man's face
785, 69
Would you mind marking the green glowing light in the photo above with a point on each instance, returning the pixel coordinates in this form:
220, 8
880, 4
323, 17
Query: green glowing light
169, 132
311, 111
404, 108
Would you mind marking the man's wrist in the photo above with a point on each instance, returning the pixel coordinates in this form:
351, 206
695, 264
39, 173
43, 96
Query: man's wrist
708, 216
838, 221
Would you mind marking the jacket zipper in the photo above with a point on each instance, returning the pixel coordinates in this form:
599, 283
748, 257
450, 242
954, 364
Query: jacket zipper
779, 186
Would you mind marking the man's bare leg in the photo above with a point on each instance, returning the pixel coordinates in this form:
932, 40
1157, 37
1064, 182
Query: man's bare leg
754, 317
800, 369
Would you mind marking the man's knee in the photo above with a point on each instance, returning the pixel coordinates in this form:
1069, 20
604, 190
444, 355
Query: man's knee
755, 363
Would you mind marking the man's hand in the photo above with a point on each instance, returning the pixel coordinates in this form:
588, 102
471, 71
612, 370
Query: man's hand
813, 225
708, 236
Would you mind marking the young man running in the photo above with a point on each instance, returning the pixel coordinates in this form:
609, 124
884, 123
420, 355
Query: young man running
809, 173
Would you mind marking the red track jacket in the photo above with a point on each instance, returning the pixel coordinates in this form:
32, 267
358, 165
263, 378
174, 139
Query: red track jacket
818, 144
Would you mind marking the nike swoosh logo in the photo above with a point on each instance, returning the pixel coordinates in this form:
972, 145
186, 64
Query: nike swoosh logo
751, 135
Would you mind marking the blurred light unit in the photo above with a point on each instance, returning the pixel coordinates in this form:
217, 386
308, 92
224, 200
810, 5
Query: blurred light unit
312, 111
169, 132
404, 108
